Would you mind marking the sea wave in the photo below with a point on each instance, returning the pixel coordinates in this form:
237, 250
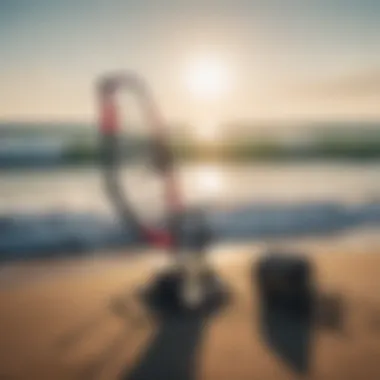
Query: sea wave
53, 234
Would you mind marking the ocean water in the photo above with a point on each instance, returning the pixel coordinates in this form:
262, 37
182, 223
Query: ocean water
46, 212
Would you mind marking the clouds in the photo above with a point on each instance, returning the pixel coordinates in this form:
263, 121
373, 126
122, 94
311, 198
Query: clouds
357, 85
352, 96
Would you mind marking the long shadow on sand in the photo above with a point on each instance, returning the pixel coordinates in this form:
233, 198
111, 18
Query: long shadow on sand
288, 331
173, 351
285, 286
289, 335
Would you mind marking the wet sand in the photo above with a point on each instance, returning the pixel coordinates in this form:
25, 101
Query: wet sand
81, 319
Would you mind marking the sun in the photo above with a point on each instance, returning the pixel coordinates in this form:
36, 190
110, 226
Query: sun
206, 77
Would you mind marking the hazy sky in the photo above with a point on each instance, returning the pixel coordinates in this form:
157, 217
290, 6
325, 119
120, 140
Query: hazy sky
305, 58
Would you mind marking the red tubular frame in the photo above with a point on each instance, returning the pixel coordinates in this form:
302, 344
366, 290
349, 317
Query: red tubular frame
109, 125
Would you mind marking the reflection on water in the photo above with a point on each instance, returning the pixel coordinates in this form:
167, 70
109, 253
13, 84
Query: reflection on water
82, 189
204, 183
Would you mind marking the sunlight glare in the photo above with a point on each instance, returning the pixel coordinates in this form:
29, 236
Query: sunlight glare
207, 78
209, 179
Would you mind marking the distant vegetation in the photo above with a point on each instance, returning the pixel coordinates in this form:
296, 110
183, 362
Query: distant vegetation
250, 151
247, 151
81, 145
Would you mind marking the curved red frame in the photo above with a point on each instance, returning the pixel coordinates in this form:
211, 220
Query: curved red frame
109, 124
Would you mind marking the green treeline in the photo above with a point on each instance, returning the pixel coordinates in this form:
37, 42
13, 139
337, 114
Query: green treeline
242, 151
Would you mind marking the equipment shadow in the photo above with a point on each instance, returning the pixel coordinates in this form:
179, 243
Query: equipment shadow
289, 332
292, 308
173, 352
289, 335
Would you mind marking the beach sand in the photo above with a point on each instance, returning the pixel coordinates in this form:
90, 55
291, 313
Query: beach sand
81, 319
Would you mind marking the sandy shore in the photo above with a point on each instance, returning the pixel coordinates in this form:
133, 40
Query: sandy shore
80, 319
